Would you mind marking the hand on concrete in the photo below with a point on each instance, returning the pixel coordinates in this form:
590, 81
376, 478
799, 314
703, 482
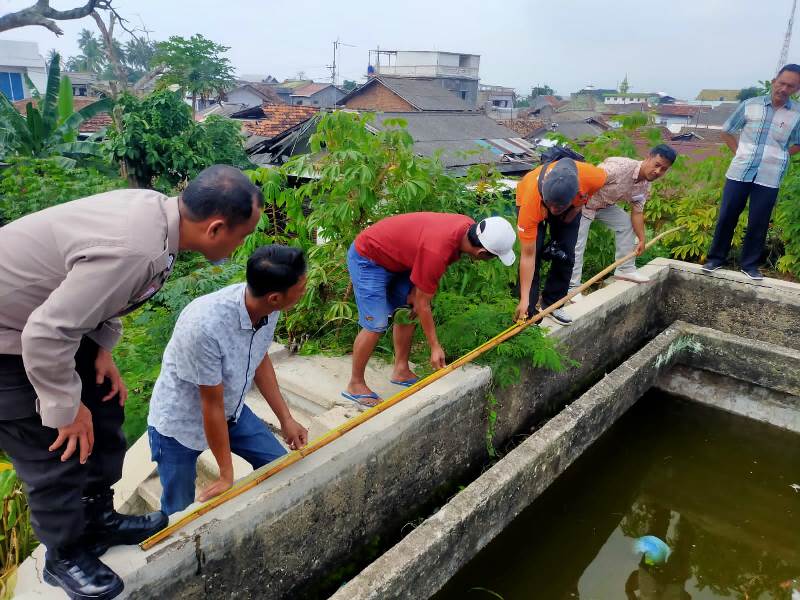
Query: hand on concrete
437, 357
79, 433
222, 484
105, 367
294, 434
521, 312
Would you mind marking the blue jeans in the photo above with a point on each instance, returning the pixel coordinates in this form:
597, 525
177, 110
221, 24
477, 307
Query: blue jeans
378, 292
250, 438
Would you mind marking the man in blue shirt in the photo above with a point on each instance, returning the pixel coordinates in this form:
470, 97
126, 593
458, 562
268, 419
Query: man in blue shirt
217, 350
769, 133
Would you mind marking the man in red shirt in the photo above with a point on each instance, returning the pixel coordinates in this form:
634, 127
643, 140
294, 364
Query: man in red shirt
399, 260
551, 201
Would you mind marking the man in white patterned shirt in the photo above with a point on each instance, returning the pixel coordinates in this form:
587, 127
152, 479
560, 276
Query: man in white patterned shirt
218, 349
628, 181
769, 133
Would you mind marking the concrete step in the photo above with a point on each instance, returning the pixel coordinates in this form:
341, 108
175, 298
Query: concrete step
331, 419
321, 379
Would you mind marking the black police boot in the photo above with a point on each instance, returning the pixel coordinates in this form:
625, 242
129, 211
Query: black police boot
105, 527
81, 575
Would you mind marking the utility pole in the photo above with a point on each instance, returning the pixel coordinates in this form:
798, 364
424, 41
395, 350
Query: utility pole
787, 40
333, 67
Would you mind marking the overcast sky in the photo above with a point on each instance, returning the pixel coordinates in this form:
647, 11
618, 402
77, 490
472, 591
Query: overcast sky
677, 47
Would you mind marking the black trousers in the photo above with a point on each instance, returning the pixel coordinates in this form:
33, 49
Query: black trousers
54, 488
557, 284
734, 198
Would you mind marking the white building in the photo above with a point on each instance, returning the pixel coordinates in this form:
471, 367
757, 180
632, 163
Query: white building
454, 71
630, 98
18, 59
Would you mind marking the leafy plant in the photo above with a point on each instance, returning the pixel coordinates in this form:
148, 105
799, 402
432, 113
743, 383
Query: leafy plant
196, 65
32, 184
17, 540
49, 129
161, 145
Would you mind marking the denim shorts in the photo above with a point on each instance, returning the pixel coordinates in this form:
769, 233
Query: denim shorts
378, 292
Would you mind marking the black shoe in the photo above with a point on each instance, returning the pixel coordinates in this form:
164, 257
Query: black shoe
81, 575
711, 266
753, 273
105, 527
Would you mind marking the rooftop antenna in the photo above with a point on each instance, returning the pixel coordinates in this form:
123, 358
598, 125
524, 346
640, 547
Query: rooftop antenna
787, 40
333, 67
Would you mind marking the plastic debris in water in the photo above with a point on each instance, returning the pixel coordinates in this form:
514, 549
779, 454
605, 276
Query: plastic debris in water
655, 550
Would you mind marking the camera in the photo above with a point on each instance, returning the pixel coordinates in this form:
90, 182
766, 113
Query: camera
553, 252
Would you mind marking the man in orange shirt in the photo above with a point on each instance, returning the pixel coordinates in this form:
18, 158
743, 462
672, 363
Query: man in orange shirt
553, 200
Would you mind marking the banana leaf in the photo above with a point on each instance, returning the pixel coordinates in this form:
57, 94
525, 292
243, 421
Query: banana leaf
47, 107
66, 107
87, 112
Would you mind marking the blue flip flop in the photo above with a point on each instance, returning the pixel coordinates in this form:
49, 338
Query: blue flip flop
357, 398
406, 382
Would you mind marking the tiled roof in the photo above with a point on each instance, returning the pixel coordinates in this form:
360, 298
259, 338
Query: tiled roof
694, 150
310, 89
524, 127
96, 123
554, 102
703, 134
278, 118
623, 109
680, 110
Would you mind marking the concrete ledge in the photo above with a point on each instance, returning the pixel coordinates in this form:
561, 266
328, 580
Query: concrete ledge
426, 558
733, 395
754, 379
289, 536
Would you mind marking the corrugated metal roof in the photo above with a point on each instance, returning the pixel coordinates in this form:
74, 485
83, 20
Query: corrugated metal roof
460, 138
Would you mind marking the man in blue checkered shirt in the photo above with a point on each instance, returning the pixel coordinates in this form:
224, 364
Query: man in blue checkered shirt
769, 133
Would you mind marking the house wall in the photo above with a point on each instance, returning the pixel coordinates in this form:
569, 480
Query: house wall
625, 99
23, 58
378, 97
244, 96
674, 120
326, 98
465, 88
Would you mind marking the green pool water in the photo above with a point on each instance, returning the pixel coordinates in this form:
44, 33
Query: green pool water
718, 488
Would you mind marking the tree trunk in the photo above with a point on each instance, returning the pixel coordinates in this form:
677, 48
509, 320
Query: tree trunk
120, 72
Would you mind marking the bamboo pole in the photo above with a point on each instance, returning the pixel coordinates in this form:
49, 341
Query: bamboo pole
268, 471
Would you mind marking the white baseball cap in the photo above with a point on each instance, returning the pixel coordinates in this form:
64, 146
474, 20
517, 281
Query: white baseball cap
498, 237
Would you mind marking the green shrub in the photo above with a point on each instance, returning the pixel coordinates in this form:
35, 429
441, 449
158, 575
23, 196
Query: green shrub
17, 540
30, 184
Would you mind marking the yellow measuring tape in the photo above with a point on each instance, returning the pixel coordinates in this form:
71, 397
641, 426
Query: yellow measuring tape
264, 473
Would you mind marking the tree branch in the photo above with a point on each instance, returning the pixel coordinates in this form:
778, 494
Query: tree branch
44, 15
111, 53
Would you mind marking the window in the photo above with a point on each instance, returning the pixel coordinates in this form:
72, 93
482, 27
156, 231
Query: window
463, 95
11, 86
299, 102
316, 101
